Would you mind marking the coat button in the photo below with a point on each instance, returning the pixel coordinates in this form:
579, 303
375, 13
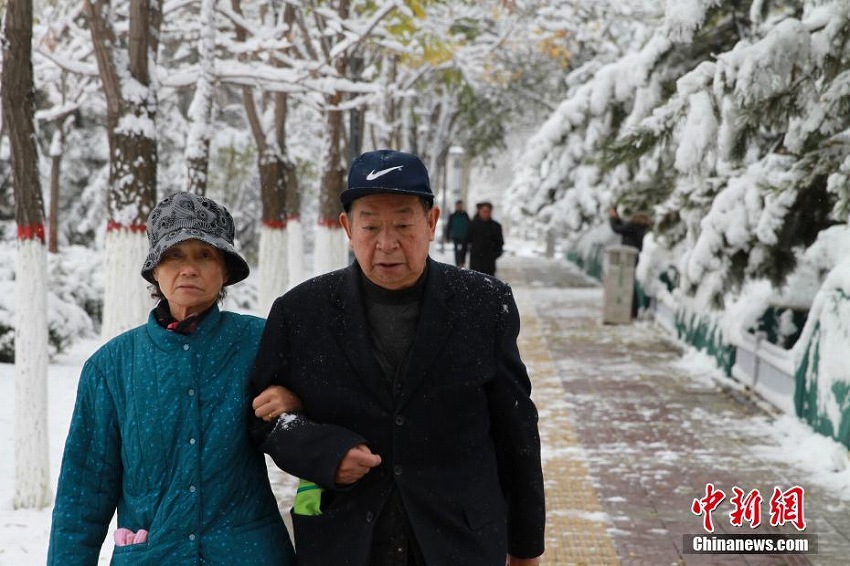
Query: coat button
399, 420
185, 346
398, 470
370, 517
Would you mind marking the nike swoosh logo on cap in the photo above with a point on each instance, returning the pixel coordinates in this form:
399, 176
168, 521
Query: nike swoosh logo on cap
375, 174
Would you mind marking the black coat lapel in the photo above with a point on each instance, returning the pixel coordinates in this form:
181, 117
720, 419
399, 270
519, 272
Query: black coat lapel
436, 322
351, 329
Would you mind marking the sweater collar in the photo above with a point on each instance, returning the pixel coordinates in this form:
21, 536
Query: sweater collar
377, 294
165, 338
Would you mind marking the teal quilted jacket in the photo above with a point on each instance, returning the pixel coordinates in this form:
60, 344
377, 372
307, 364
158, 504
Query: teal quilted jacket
159, 432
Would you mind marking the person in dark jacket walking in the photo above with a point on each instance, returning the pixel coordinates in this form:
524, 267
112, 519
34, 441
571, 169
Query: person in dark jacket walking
160, 429
485, 240
457, 228
418, 430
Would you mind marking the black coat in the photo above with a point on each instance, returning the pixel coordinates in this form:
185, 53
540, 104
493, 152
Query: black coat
631, 233
486, 243
460, 442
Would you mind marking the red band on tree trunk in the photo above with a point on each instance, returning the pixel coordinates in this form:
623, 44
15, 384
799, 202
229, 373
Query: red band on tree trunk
275, 224
31, 232
113, 226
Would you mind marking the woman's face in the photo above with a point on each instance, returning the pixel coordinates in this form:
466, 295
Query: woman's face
190, 276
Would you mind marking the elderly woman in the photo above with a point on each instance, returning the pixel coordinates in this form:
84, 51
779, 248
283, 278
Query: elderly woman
159, 431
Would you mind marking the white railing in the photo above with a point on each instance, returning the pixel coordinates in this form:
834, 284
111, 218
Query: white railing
767, 369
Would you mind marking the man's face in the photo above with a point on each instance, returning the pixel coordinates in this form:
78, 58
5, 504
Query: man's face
485, 212
390, 236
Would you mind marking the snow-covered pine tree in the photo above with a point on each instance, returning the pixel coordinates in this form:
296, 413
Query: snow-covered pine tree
724, 124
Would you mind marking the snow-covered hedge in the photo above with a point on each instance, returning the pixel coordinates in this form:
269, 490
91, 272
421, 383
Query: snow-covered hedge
73, 298
823, 377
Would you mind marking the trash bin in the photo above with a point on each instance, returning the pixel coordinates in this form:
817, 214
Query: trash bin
619, 284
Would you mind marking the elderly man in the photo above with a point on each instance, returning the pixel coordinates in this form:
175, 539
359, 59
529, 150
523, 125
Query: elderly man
418, 430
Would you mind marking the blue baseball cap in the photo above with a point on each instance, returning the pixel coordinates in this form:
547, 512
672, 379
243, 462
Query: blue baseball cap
386, 171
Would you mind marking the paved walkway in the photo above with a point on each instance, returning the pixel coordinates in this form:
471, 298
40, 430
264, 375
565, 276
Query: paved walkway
631, 438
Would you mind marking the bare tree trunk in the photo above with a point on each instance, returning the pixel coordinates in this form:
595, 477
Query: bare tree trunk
295, 237
55, 176
133, 156
278, 191
200, 111
331, 250
291, 188
32, 465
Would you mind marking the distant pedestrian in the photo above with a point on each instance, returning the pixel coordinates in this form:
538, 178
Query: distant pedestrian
631, 234
485, 240
457, 228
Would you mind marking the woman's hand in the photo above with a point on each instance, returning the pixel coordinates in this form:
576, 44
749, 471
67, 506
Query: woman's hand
275, 401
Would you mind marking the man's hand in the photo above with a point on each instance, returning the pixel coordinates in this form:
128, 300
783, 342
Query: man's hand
355, 464
512, 561
274, 401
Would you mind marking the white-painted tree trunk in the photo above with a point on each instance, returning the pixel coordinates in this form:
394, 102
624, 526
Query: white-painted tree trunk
126, 300
273, 265
295, 243
32, 455
331, 251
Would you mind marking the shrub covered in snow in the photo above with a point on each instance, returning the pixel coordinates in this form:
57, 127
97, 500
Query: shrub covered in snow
75, 276
73, 298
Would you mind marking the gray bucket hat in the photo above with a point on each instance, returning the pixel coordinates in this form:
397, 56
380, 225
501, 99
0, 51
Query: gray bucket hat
187, 216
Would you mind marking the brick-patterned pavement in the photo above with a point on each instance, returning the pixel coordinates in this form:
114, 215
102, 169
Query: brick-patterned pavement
631, 438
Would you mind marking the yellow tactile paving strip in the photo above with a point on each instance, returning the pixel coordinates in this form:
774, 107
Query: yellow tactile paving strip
576, 528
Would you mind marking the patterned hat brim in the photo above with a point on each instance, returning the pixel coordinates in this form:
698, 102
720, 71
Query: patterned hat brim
237, 267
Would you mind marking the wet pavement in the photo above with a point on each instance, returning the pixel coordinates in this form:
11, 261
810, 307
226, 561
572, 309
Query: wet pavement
631, 437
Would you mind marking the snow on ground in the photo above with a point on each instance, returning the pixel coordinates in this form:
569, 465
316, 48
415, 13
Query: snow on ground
24, 533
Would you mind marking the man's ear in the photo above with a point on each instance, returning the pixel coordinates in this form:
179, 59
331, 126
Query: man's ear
345, 222
433, 218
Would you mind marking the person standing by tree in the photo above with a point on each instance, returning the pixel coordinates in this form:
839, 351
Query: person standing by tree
417, 419
631, 234
159, 430
457, 227
485, 240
